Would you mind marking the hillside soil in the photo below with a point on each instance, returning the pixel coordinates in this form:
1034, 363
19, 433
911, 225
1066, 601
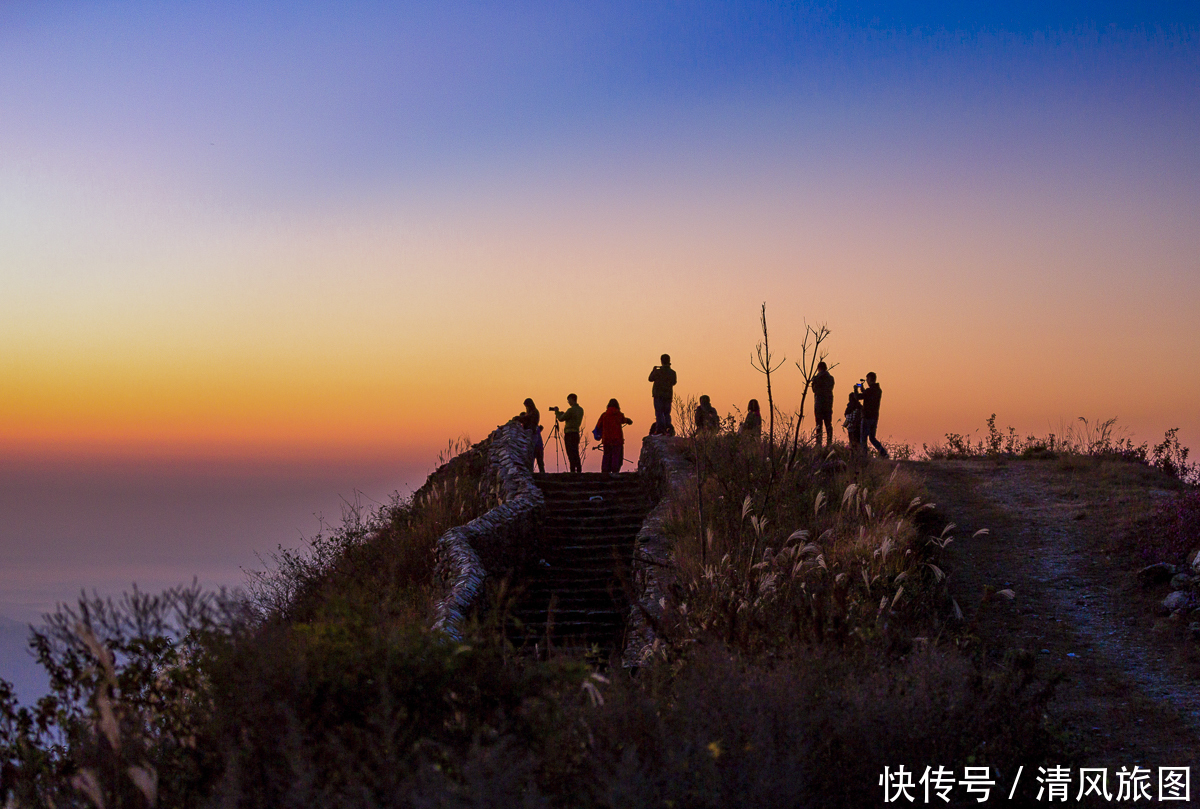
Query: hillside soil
1064, 536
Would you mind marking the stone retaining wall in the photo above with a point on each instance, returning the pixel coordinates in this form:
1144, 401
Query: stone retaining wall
668, 469
499, 540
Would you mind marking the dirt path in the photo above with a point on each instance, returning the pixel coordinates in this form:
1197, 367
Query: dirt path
1059, 539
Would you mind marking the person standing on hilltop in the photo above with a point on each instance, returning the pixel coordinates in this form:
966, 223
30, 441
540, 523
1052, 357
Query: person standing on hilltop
853, 418
822, 387
663, 377
870, 400
572, 419
708, 420
610, 428
752, 424
531, 420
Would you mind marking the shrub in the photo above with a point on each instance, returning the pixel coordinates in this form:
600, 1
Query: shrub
1172, 458
347, 713
124, 722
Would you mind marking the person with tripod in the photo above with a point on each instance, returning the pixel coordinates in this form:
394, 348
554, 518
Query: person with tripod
572, 419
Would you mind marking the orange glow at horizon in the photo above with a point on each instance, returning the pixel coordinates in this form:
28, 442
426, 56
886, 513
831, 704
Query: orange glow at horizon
388, 329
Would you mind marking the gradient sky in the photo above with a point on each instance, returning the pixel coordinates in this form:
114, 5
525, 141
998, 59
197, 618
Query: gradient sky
346, 230
334, 236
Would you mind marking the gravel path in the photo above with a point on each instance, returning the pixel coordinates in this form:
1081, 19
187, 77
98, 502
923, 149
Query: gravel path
1131, 693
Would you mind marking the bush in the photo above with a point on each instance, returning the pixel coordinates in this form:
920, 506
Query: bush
124, 722
357, 715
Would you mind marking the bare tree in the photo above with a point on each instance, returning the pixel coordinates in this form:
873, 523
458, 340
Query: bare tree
810, 356
762, 363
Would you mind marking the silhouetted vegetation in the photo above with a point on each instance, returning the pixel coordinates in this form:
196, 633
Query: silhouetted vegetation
808, 641
1101, 440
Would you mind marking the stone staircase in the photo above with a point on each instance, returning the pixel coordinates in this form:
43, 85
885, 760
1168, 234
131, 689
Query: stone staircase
570, 595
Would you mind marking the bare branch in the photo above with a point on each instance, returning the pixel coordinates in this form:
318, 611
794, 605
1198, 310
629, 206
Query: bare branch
762, 364
813, 337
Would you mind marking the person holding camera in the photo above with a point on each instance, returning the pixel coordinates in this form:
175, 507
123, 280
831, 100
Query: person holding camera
663, 377
572, 419
870, 403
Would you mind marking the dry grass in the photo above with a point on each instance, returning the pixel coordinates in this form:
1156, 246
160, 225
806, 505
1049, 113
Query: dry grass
379, 564
802, 656
833, 548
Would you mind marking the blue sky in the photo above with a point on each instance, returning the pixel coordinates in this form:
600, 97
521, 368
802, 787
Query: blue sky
245, 103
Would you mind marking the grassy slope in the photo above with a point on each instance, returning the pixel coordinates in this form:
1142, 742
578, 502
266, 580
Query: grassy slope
794, 667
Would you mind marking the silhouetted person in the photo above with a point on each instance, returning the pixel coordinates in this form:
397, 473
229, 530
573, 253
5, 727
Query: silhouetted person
853, 422
752, 424
822, 387
572, 419
611, 434
663, 377
708, 420
870, 400
531, 420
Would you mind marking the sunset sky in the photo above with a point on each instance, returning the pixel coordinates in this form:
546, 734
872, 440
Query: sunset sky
340, 230
343, 233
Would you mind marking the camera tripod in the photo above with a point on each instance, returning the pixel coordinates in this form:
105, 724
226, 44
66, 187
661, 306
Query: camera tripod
556, 437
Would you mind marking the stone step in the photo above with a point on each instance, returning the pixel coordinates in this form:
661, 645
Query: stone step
539, 599
592, 522
584, 508
559, 535
585, 477
578, 570
598, 555
600, 631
